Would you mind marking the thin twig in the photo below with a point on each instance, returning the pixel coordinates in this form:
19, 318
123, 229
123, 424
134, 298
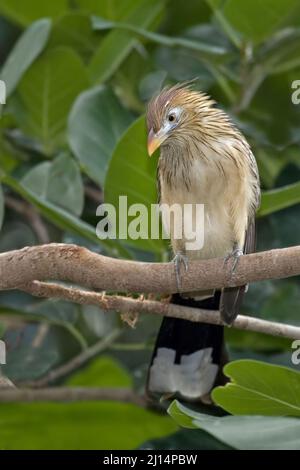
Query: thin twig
127, 304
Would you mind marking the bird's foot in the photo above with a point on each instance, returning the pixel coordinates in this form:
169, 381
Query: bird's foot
235, 256
179, 259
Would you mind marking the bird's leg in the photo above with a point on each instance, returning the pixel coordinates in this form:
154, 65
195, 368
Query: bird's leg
177, 260
235, 255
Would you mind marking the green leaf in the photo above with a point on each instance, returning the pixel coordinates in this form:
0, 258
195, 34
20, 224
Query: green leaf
65, 186
59, 182
281, 52
47, 92
26, 50
96, 123
36, 180
75, 426
1, 206
99, 425
30, 10
259, 342
270, 163
133, 174
205, 49
245, 432
183, 416
255, 19
64, 220
279, 198
26, 362
74, 30
112, 10
102, 372
258, 388
117, 44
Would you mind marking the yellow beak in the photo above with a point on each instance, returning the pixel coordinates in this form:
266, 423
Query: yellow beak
154, 142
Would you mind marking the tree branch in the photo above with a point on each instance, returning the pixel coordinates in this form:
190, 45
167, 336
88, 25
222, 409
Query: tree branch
71, 394
130, 305
83, 267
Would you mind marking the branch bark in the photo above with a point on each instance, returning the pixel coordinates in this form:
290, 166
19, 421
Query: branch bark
71, 394
80, 266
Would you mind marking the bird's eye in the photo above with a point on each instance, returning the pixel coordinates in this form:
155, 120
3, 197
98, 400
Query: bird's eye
171, 117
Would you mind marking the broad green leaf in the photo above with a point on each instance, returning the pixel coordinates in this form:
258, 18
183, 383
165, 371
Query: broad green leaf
16, 234
183, 416
64, 220
258, 388
58, 182
270, 163
95, 322
283, 304
99, 425
255, 20
1, 206
52, 312
133, 174
26, 50
117, 44
27, 363
102, 372
65, 186
258, 342
244, 432
96, 123
109, 9
47, 92
279, 198
36, 180
75, 426
281, 52
206, 49
30, 10
74, 30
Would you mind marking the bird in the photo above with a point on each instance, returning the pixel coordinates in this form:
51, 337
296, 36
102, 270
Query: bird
204, 159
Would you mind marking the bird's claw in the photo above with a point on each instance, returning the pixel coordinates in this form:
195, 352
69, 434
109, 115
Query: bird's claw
177, 260
235, 255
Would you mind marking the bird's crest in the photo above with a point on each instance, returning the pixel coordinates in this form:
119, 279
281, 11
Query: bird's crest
176, 95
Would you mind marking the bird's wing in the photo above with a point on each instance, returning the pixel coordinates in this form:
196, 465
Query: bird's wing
250, 237
232, 297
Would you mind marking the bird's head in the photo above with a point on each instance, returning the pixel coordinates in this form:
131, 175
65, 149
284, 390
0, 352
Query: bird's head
176, 114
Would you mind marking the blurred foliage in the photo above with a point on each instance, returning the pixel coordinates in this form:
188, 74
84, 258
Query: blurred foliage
78, 74
248, 432
106, 425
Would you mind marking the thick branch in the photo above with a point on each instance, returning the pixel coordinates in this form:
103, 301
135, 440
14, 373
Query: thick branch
70, 394
125, 304
83, 267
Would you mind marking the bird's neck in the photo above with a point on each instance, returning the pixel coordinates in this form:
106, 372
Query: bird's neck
175, 164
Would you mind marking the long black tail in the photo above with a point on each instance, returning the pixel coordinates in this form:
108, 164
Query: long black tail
187, 355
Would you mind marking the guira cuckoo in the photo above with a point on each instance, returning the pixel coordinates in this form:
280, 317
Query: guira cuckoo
204, 159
